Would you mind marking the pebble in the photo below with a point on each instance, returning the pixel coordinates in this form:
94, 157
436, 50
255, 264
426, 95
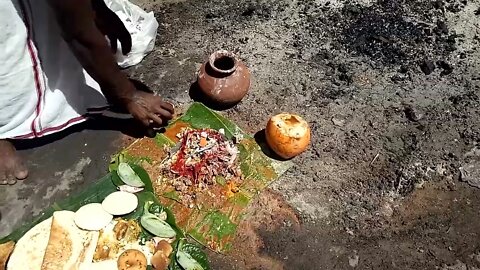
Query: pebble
399, 77
353, 260
413, 114
386, 210
470, 173
338, 122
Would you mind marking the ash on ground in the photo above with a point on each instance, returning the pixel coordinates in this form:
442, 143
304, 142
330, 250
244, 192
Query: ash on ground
381, 183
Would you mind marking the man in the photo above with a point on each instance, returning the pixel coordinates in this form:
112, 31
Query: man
56, 66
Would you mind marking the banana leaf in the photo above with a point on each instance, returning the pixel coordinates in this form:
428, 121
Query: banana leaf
211, 222
95, 193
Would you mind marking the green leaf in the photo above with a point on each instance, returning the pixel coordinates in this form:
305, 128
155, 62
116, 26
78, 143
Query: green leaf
187, 262
145, 236
144, 176
139, 171
174, 265
154, 224
189, 256
146, 196
116, 179
117, 159
199, 116
156, 209
162, 140
218, 224
197, 253
124, 157
128, 175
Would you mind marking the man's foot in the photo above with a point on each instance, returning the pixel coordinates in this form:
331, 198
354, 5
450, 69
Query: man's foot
12, 167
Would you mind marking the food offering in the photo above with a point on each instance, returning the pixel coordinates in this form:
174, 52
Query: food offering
127, 230
201, 157
206, 170
163, 201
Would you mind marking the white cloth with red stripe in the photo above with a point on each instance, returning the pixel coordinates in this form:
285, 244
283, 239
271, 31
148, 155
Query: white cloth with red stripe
43, 87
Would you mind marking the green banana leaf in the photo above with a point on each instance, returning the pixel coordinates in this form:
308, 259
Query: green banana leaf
96, 193
213, 223
194, 250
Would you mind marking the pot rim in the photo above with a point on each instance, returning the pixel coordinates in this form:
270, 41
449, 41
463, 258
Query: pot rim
219, 54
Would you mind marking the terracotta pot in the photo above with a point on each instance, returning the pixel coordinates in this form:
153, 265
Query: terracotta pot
224, 79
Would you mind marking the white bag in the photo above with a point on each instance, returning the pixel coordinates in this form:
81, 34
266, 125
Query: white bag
142, 27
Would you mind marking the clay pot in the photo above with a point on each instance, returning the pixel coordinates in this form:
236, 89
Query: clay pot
224, 79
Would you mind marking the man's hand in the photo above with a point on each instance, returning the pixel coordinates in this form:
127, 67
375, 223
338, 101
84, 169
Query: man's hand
111, 26
79, 24
151, 110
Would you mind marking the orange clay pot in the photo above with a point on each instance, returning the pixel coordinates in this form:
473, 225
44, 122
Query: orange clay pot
287, 135
224, 79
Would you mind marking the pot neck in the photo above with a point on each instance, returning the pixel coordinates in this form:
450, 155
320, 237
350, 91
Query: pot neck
223, 63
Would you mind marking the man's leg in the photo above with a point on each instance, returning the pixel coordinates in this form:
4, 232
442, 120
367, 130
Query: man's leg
12, 167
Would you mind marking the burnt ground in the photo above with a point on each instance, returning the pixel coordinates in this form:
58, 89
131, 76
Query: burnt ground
390, 88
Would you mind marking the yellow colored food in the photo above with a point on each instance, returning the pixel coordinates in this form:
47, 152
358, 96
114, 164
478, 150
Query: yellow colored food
5, 250
132, 259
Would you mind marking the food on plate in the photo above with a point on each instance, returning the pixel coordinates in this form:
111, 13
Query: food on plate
164, 247
29, 250
118, 236
68, 246
54, 243
5, 250
126, 230
103, 265
129, 189
200, 157
231, 189
120, 203
132, 259
153, 224
92, 217
159, 261
129, 176
288, 135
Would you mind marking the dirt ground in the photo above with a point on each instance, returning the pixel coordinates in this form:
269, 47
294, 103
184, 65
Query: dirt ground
390, 88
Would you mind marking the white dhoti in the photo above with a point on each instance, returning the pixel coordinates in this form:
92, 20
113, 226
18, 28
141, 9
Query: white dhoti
43, 87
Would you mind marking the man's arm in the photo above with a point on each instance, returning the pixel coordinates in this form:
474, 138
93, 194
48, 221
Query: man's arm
77, 23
